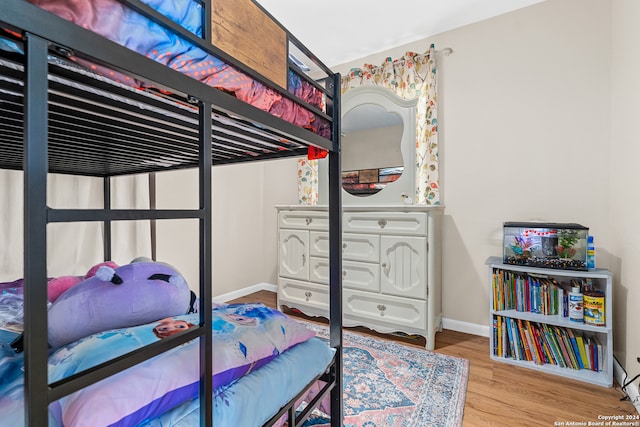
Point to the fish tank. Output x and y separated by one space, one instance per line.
546 245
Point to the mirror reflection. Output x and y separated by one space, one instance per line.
371 149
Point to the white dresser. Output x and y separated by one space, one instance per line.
391 274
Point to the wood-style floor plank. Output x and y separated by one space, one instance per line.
500 395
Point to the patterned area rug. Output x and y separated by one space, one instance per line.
387 384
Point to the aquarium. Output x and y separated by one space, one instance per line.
547 245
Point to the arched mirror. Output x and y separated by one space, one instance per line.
378 148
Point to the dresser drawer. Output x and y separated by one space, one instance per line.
304 220
294 293
355 247
385 222
361 275
319 270
387 312
358 275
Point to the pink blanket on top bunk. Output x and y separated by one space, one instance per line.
112 20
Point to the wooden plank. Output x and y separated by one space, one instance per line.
241 29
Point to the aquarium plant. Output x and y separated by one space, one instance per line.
566 240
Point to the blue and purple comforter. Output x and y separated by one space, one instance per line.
246 338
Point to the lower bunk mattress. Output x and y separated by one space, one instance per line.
262 359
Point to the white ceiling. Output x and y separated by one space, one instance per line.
338 31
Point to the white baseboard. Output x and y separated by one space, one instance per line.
632 389
467 328
221 299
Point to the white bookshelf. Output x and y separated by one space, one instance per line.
601 280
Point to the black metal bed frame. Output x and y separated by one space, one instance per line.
27 144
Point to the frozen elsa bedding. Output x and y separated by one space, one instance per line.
114 21
262 359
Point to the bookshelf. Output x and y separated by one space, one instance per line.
529 329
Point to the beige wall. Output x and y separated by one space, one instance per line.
623 202
244 222
538 113
279 189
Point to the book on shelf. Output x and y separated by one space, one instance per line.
532 344
583 352
525 292
542 294
555 345
571 347
544 347
542 344
595 352
523 339
542 357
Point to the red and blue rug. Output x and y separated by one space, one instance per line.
387 384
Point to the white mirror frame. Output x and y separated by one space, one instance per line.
393 193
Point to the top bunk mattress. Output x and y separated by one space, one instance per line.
124 113
127 93
117 22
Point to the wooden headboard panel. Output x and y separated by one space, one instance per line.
241 29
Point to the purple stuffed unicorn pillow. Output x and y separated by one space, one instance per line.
130 295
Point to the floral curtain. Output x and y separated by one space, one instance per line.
411 76
307 182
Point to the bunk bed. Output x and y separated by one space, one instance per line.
80 96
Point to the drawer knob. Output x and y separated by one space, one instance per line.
382 308
382 223
384 265
344 246
308 295
344 273
308 220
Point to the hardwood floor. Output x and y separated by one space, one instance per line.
499 394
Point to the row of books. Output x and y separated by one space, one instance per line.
542 343
532 293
